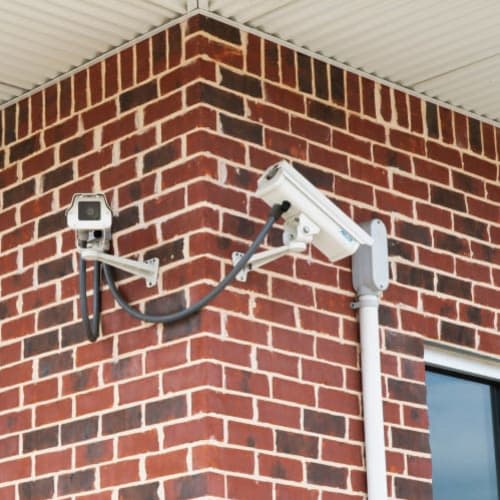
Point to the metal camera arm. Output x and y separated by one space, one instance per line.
298 232
147 269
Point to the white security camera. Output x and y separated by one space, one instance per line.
338 236
89 212
310 218
90 215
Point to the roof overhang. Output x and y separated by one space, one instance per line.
447 51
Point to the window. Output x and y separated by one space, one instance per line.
464 414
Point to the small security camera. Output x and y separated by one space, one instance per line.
91 216
335 234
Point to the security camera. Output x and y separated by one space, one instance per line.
90 215
89 212
337 235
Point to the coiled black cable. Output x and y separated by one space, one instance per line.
92 330
275 214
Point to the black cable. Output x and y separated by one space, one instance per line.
92 330
274 214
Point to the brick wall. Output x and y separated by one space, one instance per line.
258 396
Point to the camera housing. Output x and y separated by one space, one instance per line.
338 235
91 216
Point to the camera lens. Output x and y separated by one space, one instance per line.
89 210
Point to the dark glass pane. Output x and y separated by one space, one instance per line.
462 438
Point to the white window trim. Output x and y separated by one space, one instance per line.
463 362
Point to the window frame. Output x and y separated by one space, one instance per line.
471 366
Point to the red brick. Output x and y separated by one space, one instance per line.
143 60
221 52
393 203
137 443
296 392
96 82
16 469
345 453
118 128
61 409
292 292
280 468
227 459
137 390
92 453
408 142
9 447
350 144
488 297
53 461
188 377
446 122
166 357
16 374
368 93
415 417
338 352
90 353
206 400
248 489
245 329
279 414
186 74
321 373
284 98
136 340
10 353
366 128
166 464
162 108
295 342
489 342
251 436
94 401
285 492
339 401
286 144
328 158
199 429
194 486
40 391
400 99
246 381
269 115
272 361
19 236
99 114
419 467
137 143
274 311
369 172
395 462
137 240
203 142
114 473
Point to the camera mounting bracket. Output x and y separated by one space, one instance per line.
147 269
298 232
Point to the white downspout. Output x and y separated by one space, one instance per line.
372 397
370 277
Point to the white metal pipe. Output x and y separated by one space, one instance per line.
372 397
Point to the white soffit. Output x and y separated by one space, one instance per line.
445 49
